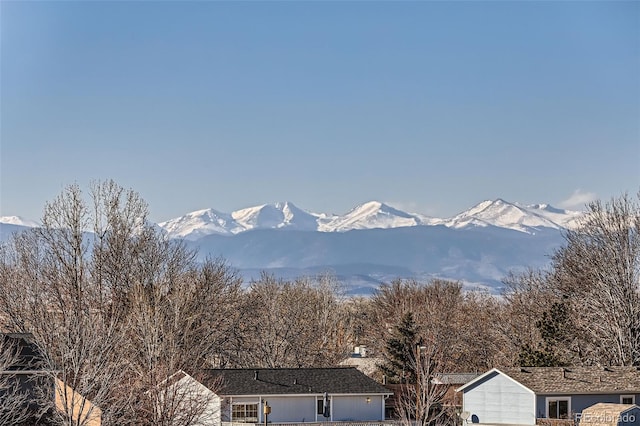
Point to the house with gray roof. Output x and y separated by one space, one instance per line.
297 394
519 396
283 395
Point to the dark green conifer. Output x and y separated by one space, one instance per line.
399 354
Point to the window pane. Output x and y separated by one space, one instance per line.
563 409
627 400
252 412
553 409
237 412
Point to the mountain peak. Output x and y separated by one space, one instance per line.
369 215
514 216
200 223
282 214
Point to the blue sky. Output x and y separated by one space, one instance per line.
431 106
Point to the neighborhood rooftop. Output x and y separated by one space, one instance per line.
575 380
281 381
453 378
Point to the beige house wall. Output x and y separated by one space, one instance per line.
75 405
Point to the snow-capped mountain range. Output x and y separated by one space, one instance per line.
373 242
370 215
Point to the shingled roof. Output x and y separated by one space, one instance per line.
453 378
573 380
605 414
282 381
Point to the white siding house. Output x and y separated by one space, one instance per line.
519 396
486 397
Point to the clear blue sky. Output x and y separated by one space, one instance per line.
431 106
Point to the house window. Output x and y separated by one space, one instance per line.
244 413
558 407
627 399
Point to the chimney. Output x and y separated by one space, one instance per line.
255 375
363 351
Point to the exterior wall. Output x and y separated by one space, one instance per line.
213 414
498 399
80 409
302 408
291 409
355 407
211 411
630 418
580 402
191 394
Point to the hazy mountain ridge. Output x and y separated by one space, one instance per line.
478 255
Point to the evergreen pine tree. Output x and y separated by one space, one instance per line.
553 328
399 354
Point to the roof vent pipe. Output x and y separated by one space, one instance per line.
255 375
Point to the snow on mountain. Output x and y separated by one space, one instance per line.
17 220
283 215
514 216
370 215
569 219
198 224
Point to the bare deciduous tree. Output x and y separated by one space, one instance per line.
292 324
586 308
115 305
49 269
422 401
599 272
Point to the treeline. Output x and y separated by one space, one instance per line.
118 307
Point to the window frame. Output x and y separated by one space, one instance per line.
632 396
245 418
557 399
